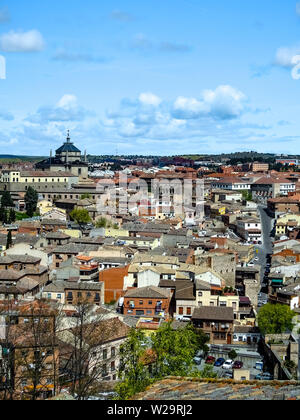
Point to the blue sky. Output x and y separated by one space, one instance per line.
150 77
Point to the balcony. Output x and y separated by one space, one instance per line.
221 328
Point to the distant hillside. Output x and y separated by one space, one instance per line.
16 158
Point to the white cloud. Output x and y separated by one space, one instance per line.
225 102
149 99
284 56
298 9
31 41
67 101
67 109
189 106
129 129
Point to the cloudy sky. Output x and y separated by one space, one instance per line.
151 76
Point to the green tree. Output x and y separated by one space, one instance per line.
81 216
176 349
83 196
247 195
132 371
168 352
31 200
6 200
104 223
275 319
232 355
2 214
9 241
12 216
207 372
101 223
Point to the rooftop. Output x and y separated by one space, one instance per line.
200 389
214 313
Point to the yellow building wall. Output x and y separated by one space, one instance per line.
116 233
73 233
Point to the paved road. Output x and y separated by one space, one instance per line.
267 224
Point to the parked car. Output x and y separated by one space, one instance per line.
197 360
264 377
264 301
228 364
220 362
210 360
237 365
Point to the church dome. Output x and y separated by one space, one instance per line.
68 146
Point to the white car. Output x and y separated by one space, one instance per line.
228 364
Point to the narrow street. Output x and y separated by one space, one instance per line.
266 248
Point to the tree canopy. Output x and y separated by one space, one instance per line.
168 352
31 200
275 319
176 349
81 216
132 371
6 200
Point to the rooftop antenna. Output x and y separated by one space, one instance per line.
68 136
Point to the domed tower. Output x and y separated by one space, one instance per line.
68 153
67 159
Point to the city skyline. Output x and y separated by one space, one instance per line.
182 77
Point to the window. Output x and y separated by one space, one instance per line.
104 354
180 311
141 302
150 302
104 370
189 311
139 313
113 366
113 352
200 294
